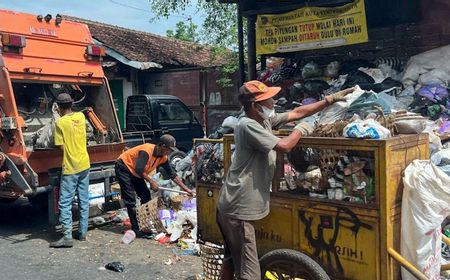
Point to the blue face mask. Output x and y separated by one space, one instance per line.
266 112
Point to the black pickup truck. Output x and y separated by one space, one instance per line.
150 116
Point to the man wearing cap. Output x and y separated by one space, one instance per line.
244 197
133 168
70 136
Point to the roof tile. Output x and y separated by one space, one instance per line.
146 47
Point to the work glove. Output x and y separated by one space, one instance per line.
338 96
304 128
154 185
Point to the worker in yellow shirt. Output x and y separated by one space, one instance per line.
70 136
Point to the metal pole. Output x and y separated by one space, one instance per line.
263 62
240 26
251 45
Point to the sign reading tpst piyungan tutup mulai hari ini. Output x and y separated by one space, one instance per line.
311 28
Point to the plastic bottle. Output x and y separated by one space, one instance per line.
128 237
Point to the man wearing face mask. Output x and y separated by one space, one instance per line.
133 168
244 197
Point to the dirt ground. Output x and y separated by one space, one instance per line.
24 239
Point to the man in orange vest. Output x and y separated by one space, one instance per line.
133 168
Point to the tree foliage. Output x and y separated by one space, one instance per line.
185 32
219 29
219 26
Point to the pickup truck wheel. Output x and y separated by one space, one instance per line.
7 200
175 157
290 264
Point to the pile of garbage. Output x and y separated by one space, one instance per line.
330 174
385 86
390 97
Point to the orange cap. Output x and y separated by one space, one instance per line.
259 90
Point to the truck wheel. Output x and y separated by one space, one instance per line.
7 200
39 202
290 264
175 157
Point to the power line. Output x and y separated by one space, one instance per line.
140 9
128 6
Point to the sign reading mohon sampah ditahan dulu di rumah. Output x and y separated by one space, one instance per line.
311 28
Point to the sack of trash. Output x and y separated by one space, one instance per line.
425 205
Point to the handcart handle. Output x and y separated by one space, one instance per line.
172 190
407 265
446 240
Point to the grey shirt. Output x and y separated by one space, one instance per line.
245 194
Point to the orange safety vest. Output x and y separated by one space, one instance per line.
130 157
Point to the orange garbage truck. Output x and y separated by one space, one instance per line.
40 58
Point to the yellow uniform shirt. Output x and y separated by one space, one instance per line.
70 132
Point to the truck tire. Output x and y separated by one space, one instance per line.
7 200
290 264
39 202
175 157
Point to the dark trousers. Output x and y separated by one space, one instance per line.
130 186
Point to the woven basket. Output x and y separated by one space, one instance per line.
328 159
212 261
148 216
330 130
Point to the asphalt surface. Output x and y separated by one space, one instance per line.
25 254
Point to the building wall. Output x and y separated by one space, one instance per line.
182 84
221 102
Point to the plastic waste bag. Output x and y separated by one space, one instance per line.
424 63
332 69
115 266
176 228
425 205
184 164
368 128
434 93
230 122
442 160
45 136
367 103
311 70
338 110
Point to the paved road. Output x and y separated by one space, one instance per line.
25 253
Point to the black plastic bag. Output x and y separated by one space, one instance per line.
115 266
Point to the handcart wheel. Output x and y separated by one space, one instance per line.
289 264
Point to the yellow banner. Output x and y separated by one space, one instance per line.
311 28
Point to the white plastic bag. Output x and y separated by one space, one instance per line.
230 122
425 205
368 128
338 110
429 61
375 73
46 136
